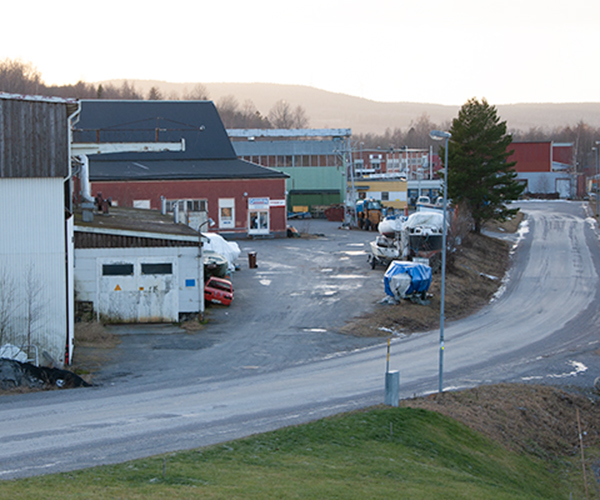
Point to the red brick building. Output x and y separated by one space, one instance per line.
206 181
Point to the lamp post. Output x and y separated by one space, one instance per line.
439 135
596 181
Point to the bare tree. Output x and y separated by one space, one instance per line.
281 115
7 300
198 93
20 77
228 108
300 118
34 305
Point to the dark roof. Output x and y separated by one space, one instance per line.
198 122
34 136
208 151
134 219
183 169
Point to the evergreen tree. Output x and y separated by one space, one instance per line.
479 176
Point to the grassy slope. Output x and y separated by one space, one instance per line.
380 453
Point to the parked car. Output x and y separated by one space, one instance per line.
218 291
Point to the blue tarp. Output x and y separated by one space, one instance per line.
419 275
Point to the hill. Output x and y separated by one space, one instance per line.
332 110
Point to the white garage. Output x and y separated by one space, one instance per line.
138 276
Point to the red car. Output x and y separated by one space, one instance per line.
218 291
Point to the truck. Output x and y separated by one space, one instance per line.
369 213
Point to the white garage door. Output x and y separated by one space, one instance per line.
138 290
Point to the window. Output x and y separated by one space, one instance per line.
161 268
385 196
117 269
145 204
187 205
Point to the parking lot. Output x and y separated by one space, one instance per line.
286 311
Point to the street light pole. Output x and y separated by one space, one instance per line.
438 135
596 181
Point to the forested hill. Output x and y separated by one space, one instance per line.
332 110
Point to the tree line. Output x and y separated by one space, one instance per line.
416 135
21 77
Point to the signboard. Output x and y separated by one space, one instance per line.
277 203
258 203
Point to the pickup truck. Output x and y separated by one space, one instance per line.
218 291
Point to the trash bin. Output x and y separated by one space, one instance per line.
252 260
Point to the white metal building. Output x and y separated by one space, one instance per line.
36 224
138 266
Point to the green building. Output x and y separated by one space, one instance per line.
316 161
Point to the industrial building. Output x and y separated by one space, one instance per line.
205 182
36 249
316 162
546 168
134 265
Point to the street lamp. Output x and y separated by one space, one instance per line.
596 181
208 221
439 135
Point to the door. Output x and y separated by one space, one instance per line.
138 290
258 222
258 216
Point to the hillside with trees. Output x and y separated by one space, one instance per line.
374 124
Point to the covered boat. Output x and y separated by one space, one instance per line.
214 264
405 279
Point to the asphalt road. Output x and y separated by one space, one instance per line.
283 363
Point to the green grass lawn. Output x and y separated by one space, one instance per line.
386 453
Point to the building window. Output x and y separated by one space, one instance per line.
187 205
117 269
145 204
161 268
385 196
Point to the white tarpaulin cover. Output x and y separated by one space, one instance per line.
228 249
430 219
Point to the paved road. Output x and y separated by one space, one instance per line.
285 312
545 323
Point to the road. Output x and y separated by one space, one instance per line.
543 326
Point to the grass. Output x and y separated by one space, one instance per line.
380 453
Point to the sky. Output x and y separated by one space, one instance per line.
434 51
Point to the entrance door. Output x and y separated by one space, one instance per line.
258 216
258 222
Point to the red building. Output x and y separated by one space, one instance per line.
205 182
546 168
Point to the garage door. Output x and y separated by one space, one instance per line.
138 290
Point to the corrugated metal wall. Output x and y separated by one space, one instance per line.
32 262
34 139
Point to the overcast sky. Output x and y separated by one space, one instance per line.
434 51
